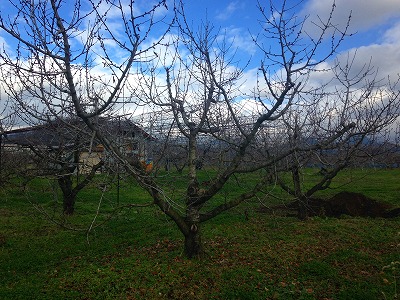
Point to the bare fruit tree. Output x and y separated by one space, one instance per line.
64 74
202 91
332 123
55 150
352 125
65 65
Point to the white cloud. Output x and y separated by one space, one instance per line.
392 35
229 10
238 39
365 14
384 56
379 16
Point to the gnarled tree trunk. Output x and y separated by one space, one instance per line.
69 195
302 200
193 243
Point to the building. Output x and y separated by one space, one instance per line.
68 141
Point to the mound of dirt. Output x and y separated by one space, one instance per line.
355 204
343 203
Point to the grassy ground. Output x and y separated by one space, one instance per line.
138 253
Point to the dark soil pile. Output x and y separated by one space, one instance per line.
343 203
355 204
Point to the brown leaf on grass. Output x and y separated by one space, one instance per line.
385 281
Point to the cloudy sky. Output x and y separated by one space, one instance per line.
375 24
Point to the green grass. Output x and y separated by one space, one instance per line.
137 254
380 184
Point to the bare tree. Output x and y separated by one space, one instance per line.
202 92
54 150
56 71
332 124
64 67
7 120
348 127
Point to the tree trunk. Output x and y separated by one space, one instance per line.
193 244
302 208
302 201
69 196
69 204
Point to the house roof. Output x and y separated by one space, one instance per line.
63 133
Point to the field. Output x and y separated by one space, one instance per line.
137 254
